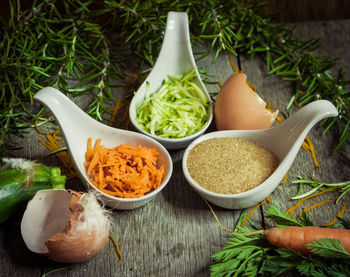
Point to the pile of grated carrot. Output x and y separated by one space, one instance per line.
124 171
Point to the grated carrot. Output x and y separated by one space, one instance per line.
268 199
235 69
294 207
58 131
272 108
251 86
285 178
120 105
279 118
115 111
251 212
125 117
37 125
296 102
339 214
314 206
54 146
134 78
305 146
312 150
116 247
124 171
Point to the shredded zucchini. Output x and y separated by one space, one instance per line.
179 108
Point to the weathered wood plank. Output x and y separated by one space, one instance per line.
175 234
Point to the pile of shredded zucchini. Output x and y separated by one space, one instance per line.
179 108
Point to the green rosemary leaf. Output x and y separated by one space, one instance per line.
332 122
343 191
278 68
48 272
311 191
342 187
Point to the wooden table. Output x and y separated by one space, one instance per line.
175 234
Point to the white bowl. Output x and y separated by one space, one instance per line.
283 140
175 57
77 127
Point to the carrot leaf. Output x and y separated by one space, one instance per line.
248 253
281 218
241 255
345 222
286 262
329 248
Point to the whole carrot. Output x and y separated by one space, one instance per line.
297 238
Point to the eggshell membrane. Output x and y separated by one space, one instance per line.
77 242
238 107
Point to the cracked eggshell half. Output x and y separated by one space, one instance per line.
47 213
238 107
64 225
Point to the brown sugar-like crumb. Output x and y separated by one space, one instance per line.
230 165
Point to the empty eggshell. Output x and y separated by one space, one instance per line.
46 214
66 226
238 107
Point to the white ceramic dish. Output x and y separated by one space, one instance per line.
77 127
175 57
283 140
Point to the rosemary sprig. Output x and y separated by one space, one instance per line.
45 46
81 47
248 253
342 187
54 270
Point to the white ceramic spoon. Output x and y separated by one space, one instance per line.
77 127
175 57
283 140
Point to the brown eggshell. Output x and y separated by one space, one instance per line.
64 225
77 242
238 107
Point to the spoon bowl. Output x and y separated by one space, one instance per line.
284 141
77 127
175 58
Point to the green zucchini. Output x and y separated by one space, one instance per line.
19 184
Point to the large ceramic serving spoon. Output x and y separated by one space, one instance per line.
77 127
283 140
175 57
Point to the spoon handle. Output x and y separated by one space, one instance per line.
296 128
305 118
75 124
175 56
176 49
69 115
